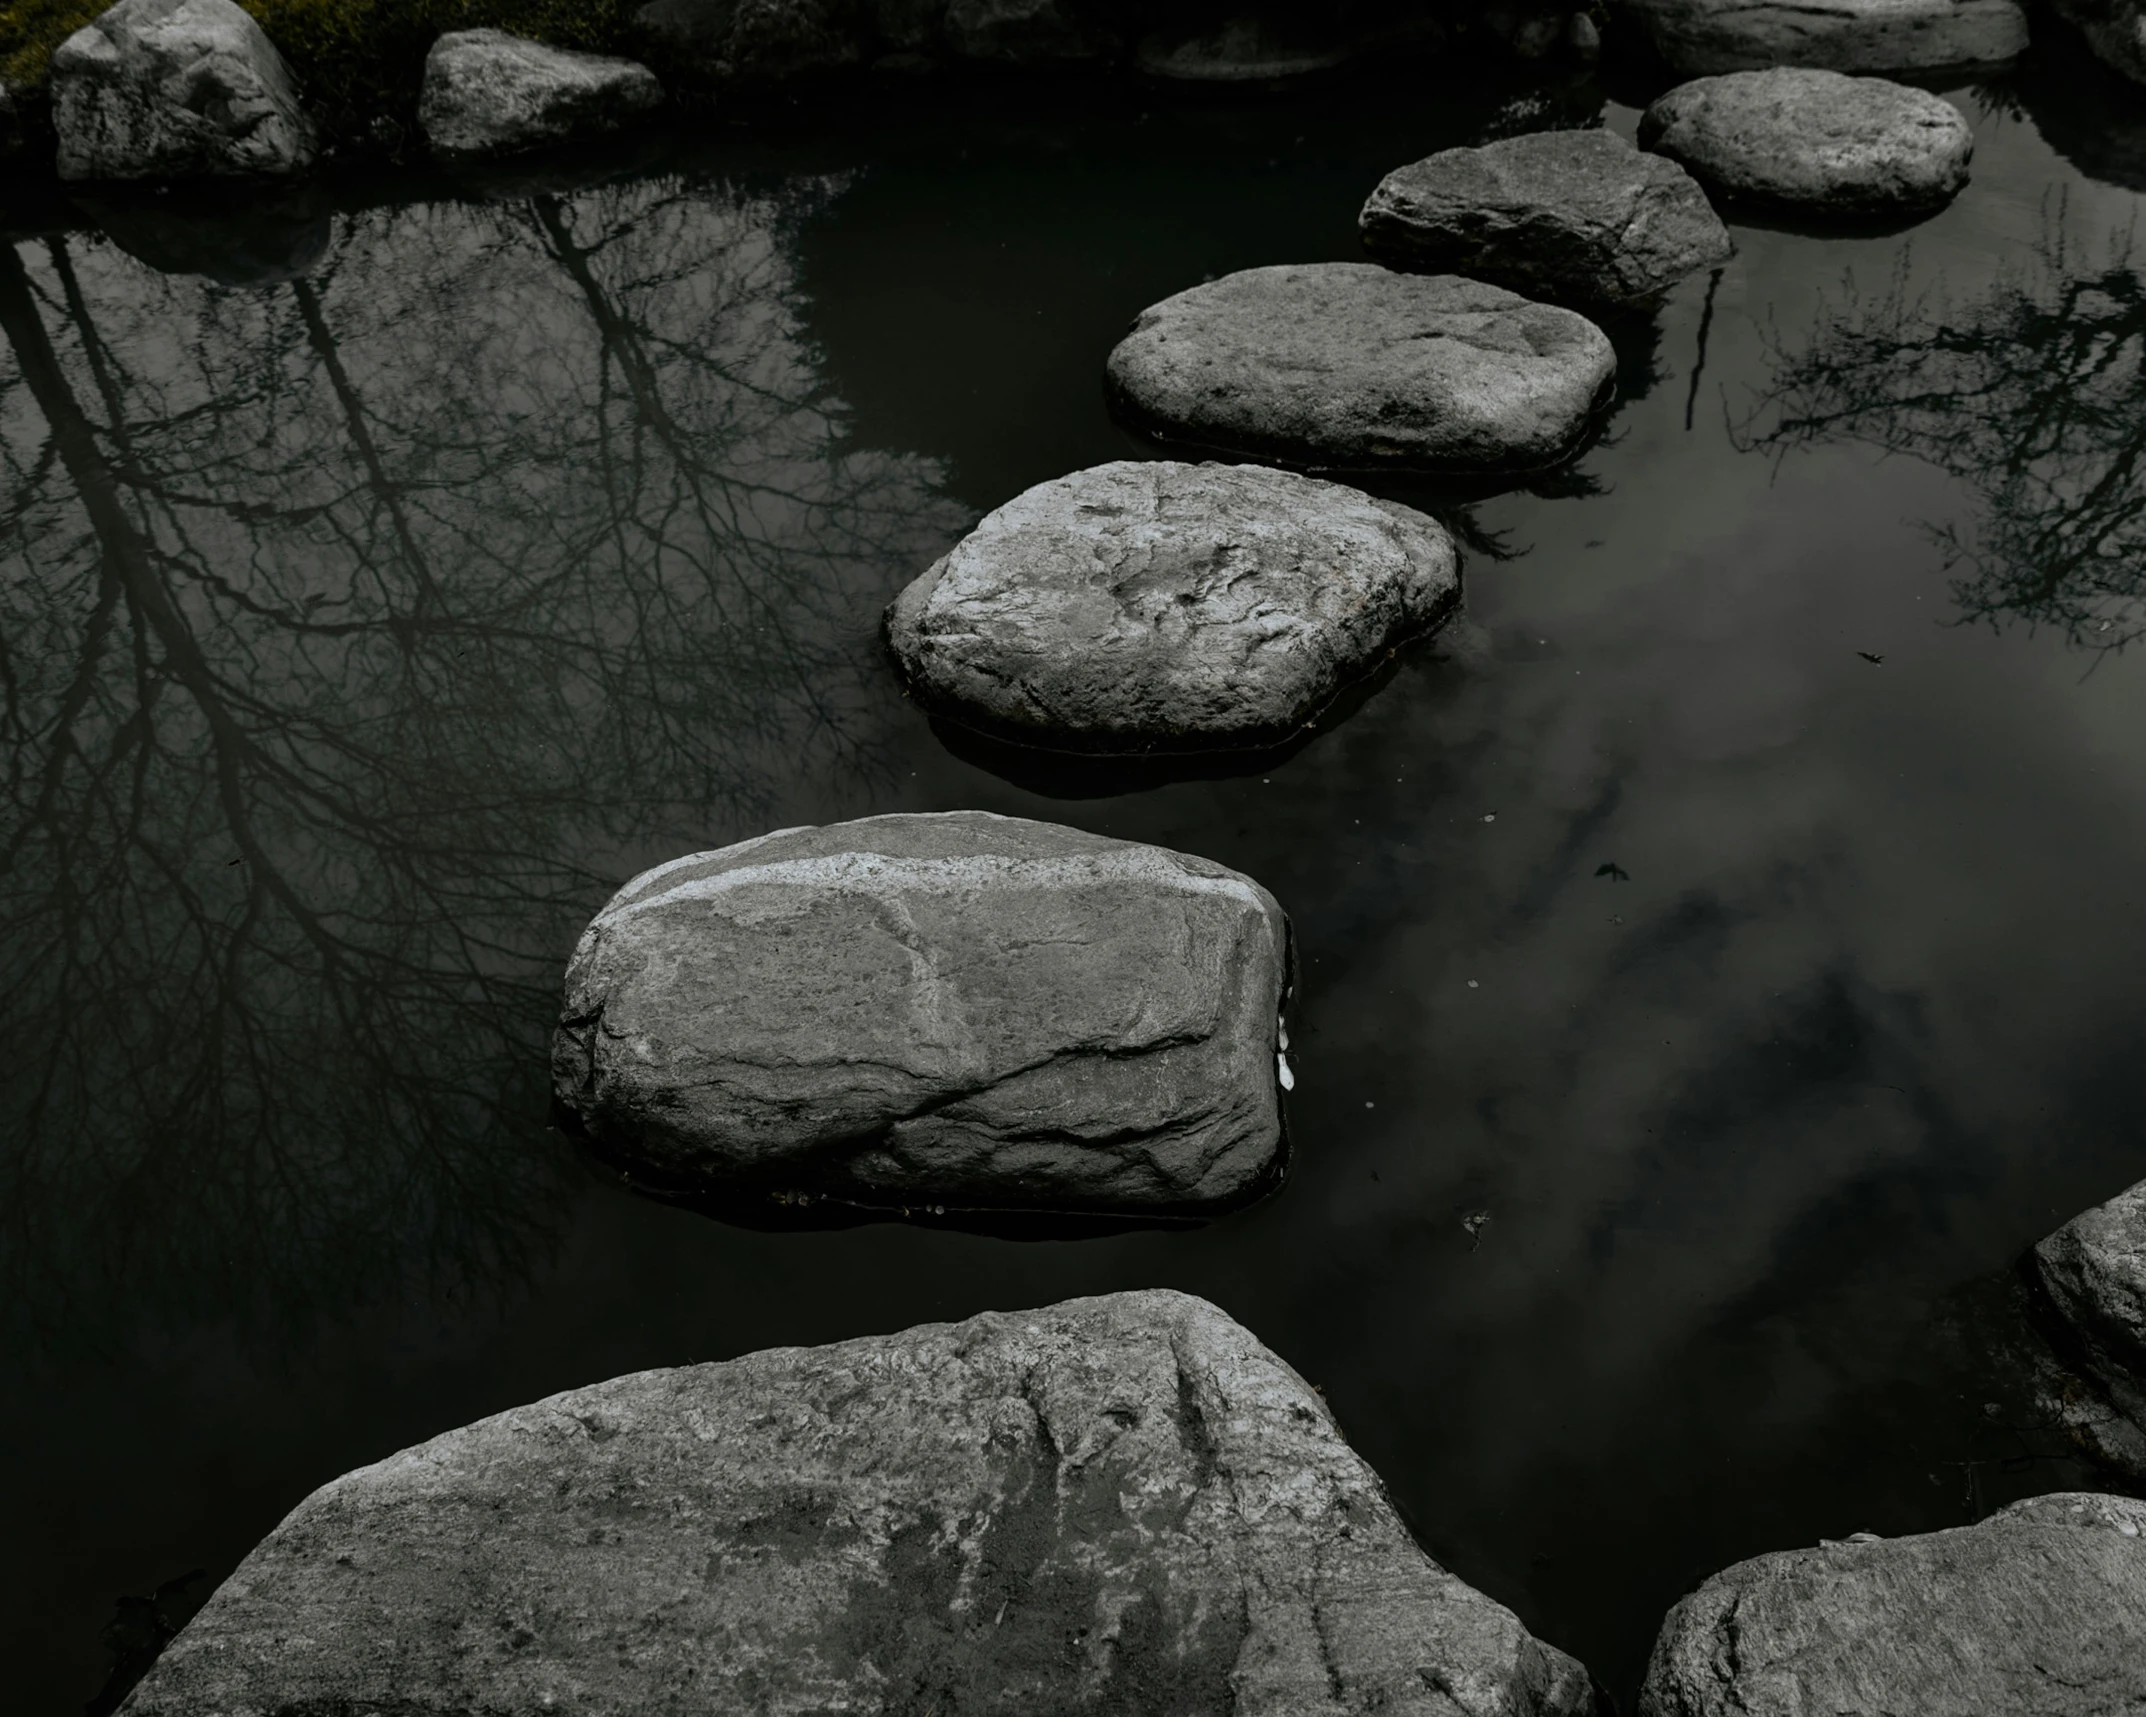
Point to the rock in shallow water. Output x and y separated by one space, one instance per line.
1814 142
2093 1271
1575 217
1347 365
957 1009
1122 1504
1702 37
2039 1609
489 93
1166 607
176 89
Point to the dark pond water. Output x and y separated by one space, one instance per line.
361 629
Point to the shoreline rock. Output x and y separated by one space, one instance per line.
1814 143
176 89
1112 1504
1349 366
1566 217
2092 1272
2041 1608
488 93
949 1010
1701 38
1157 607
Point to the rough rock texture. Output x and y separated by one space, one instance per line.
956 1010
1122 1504
1026 32
1347 365
755 41
1814 143
1576 217
2093 1271
489 93
2041 1608
1702 37
175 89
1163 607
2114 29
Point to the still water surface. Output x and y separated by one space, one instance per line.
361 629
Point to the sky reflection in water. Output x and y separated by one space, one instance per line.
359 631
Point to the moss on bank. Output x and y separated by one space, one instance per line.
354 58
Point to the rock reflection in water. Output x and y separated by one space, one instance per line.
357 633
2028 392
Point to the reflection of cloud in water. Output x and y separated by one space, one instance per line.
2029 392
358 634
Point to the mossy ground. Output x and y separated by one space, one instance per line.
353 57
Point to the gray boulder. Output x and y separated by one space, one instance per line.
959 1010
176 89
1575 217
1026 32
2093 1271
489 93
1109 1505
1348 365
1164 607
1814 143
2041 1608
2114 29
1702 37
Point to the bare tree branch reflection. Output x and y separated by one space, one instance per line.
355 636
2028 392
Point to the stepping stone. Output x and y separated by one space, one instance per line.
1702 37
1346 365
2093 1273
2040 1608
1814 142
176 89
489 93
1121 1504
1573 217
956 1010
1145 607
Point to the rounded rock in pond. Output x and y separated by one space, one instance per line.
489 93
1814 143
1702 37
2040 1608
2093 1272
1161 607
1349 366
176 89
958 1010
1575 217
1124 1503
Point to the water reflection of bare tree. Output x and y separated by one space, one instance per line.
2029 393
354 636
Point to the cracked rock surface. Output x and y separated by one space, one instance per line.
176 89
1702 37
2093 1271
955 1009
1814 142
1348 365
489 93
1155 606
1122 1504
2040 1608
1576 217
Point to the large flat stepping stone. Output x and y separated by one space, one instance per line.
1574 217
1123 1504
176 89
1814 143
2093 1272
957 1010
489 93
1346 365
1702 37
1159 607
2041 1608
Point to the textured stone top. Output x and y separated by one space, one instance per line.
2094 1271
1111 1505
1700 37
